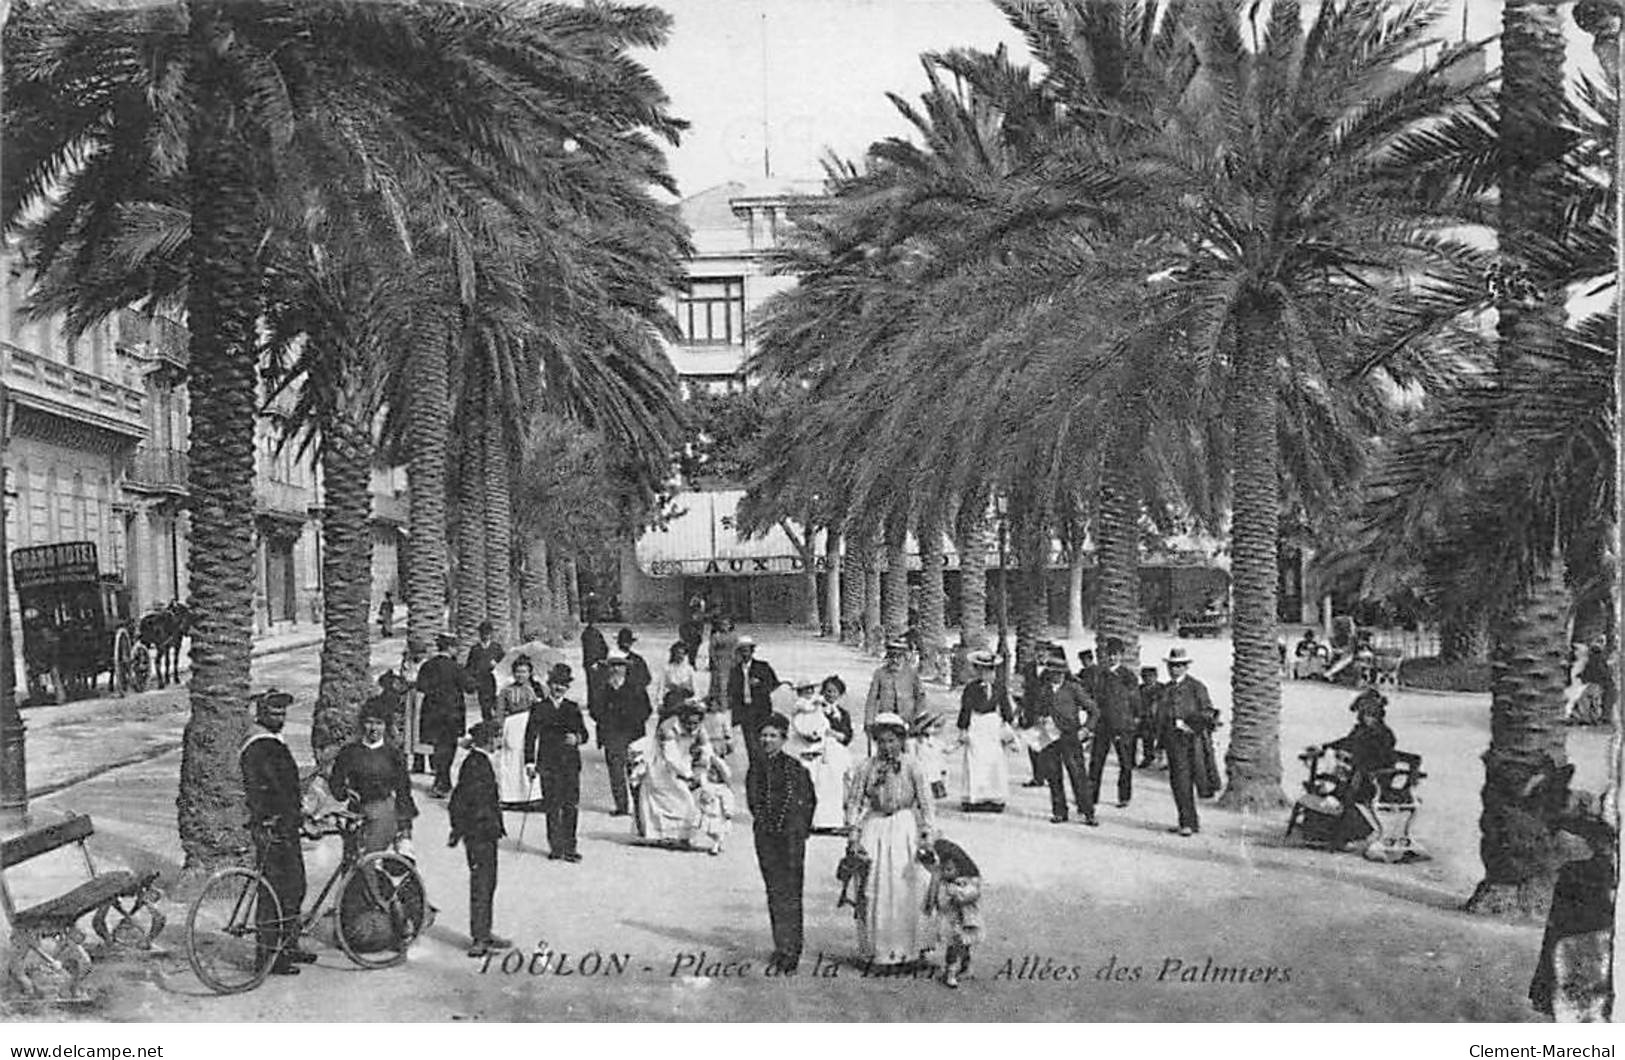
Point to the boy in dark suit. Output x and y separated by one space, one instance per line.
779 792
476 822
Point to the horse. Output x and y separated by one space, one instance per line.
163 631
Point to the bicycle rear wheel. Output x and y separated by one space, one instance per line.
381 910
223 926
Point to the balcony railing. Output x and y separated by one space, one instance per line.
72 392
157 338
158 469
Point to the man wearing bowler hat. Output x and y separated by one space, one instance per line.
271 785
1185 712
895 688
553 736
1117 695
621 717
1072 711
637 669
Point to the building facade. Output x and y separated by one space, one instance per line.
95 449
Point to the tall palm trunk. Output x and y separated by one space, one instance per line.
498 482
894 586
222 304
533 586
873 635
1530 669
1529 644
854 575
834 601
558 597
1460 639
470 587
1117 537
933 598
1029 582
975 535
572 592
347 458
1253 760
1074 592
429 426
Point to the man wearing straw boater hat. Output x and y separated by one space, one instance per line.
1185 713
750 696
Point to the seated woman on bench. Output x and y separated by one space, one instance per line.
1370 747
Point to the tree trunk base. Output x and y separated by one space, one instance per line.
1517 902
1252 796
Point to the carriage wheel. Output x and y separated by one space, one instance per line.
140 673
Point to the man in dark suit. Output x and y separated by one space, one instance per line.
622 715
443 716
482 662
637 669
1186 712
553 736
271 784
750 696
476 822
1072 710
779 793
1117 702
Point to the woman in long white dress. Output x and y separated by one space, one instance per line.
515 788
812 742
667 810
984 715
890 815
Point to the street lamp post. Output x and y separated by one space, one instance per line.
13 759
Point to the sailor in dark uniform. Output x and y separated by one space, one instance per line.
779 792
271 783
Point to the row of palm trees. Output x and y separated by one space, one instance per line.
1210 267
435 224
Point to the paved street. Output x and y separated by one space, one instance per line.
1349 939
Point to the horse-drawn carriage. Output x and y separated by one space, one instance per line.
77 623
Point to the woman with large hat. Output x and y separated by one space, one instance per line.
889 816
985 714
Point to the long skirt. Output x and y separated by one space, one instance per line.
987 773
894 929
829 785
515 790
667 811
378 825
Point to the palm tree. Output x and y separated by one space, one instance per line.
104 102
1296 223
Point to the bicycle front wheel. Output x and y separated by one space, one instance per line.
381 909
223 930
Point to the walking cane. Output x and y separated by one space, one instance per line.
524 815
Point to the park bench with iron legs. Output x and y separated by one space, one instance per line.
47 951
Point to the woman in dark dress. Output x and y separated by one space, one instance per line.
1370 747
1574 968
832 692
371 772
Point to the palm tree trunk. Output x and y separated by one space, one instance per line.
429 427
933 598
572 592
854 582
1530 670
1461 639
470 588
1529 646
498 523
222 305
873 636
894 587
346 657
974 541
533 586
1029 582
1117 541
834 600
1074 593
1253 760
558 596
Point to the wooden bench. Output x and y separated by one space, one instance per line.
47 952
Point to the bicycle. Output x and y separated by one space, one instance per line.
380 907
